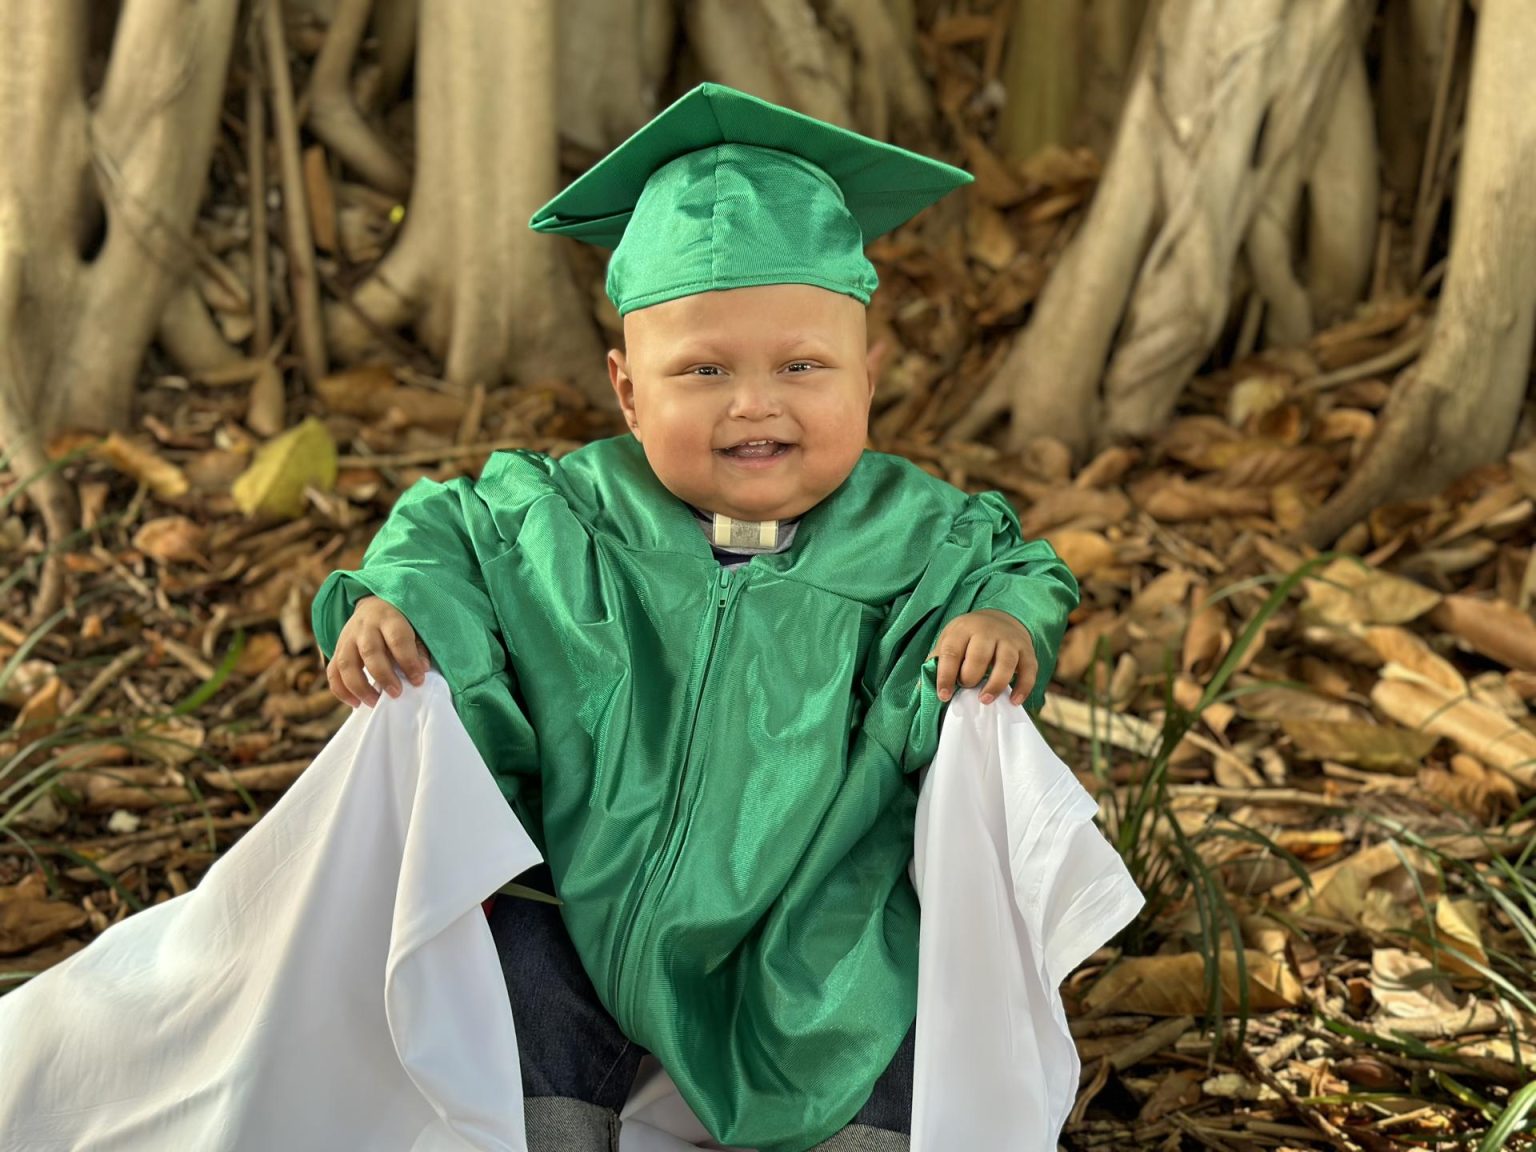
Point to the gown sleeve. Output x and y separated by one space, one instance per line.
983 562
426 561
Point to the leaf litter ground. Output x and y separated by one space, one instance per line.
1320 768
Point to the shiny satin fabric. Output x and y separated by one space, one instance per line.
718 764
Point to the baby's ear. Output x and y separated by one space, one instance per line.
874 362
623 388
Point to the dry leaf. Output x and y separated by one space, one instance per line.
1171 498
27 922
1378 888
1083 552
1498 630
1397 645
1459 936
1407 985
141 462
274 483
172 539
1362 745
1175 985
1346 592
261 652
1492 737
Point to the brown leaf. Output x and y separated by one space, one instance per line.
1347 592
1083 552
1175 985
25 923
261 652
1082 508
1397 645
1498 630
172 539
1172 499
141 462
1371 746
1492 737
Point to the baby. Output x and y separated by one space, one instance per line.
706 661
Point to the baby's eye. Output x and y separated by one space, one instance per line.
802 365
706 370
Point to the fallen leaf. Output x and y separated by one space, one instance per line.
1490 736
172 539
1459 936
1372 746
1498 630
141 462
1405 984
1175 985
25 923
274 483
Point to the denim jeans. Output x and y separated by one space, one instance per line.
578 1066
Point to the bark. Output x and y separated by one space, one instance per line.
485 294
333 114
849 62
1457 408
98 195
1223 120
1412 50
1042 76
612 65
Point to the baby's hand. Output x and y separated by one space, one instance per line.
376 639
972 643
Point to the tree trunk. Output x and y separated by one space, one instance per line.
1223 128
485 294
1458 406
97 201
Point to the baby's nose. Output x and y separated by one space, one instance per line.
753 400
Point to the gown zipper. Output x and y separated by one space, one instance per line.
722 598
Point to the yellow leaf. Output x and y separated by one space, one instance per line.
1459 928
274 483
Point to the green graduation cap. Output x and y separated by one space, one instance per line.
723 190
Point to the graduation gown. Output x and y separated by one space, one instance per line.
717 764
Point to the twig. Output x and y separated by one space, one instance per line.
1325 1128
105 679
256 176
1386 362
301 245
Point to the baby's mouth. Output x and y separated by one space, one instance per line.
756 450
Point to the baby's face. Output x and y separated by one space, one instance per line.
753 402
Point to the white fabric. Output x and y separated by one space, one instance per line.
332 983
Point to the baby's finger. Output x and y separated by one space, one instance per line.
1024 679
338 686
380 665
1004 661
978 658
353 678
405 649
951 648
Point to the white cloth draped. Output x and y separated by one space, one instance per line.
332 983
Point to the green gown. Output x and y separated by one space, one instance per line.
719 764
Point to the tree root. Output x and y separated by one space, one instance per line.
98 228
1221 119
335 118
489 296
1457 408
